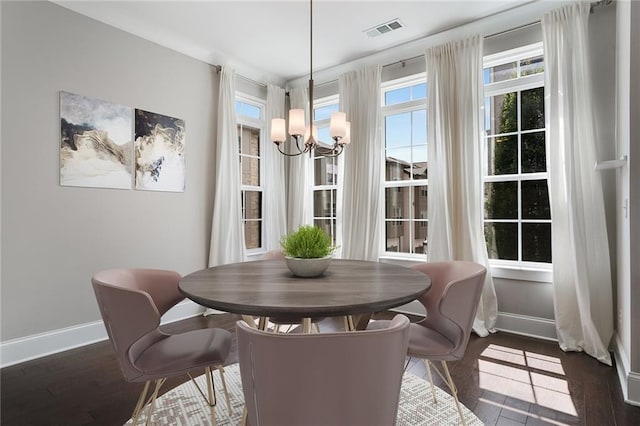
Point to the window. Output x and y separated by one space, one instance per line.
250 124
325 170
405 138
517 217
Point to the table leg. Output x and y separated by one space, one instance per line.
361 321
249 320
262 323
306 325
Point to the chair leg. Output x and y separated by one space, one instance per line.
140 403
454 391
427 364
224 388
152 404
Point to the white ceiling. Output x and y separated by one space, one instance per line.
272 37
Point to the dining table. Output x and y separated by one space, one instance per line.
267 288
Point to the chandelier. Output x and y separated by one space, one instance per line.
339 127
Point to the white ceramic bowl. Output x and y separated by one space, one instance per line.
308 267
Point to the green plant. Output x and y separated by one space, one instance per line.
308 242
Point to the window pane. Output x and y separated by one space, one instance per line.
419 127
397 203
532 109
253 234
502 240
502 152
323 136
326 171
420 169
397 236
535 199
249 140
419 91
396 96
500 73
398 164
420 202
420 233
250 171
252 205
328 226
324 113
536 242
248 110
502 113
534 157
324 203
398 130
533 65
501 200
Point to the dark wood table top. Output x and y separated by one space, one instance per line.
267 288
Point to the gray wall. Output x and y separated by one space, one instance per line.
54 238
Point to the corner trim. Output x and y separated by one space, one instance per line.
629 381
23 349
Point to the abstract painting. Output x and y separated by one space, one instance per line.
159 152
95 142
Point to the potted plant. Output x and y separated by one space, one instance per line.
308 251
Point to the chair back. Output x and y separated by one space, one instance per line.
131 302
349 378
452 300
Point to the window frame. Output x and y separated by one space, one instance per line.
336 186
502 268
258 124
393 109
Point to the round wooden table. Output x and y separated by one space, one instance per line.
267 288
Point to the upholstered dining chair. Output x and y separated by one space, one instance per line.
451 305
131 302
343 378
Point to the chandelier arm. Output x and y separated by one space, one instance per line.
286 153
330 152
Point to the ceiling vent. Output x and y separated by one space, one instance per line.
387 27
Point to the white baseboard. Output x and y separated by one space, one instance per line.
35 346
540 328
629 381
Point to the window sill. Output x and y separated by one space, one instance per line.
508 272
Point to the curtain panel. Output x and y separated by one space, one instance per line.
581 266
454 132
275 209
227 231
299 182
363 169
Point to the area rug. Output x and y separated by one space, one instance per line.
184 405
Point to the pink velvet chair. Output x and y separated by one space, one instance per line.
344 378
131 302
451 305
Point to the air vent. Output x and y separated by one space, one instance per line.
387 27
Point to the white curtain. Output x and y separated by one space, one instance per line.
275 210
581 268
299 190
227 231
454 133
363 165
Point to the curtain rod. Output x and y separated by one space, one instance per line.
250 80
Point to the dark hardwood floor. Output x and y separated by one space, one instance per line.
504 379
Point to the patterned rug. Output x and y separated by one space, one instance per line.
184 405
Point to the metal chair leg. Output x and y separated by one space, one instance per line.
154 396
454 391
427 364
140 403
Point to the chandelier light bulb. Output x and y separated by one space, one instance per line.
278 130
296 122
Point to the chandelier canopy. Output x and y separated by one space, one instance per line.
339 127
